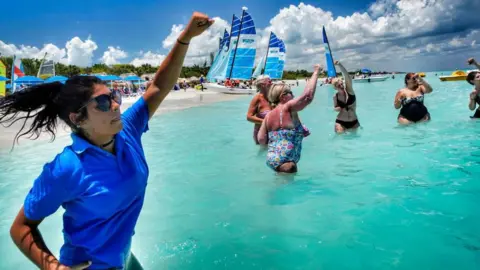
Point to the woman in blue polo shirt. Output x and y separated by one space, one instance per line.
101 178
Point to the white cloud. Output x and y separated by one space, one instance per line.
80 53
76 51
150 58
201 46
113 55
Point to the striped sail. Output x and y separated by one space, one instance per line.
271 64
225 39
258 69
331 71
242 57
281 59
218 69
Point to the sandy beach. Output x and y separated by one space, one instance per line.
176 100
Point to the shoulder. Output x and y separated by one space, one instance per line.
66 167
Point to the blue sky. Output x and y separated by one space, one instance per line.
383 34
133 25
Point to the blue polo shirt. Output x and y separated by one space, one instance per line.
102 194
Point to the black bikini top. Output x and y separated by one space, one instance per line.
351 99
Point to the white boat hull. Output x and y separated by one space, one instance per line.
227 90
371 79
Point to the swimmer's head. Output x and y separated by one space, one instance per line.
473 78
263 83
338 84
411 80
84 103
279 93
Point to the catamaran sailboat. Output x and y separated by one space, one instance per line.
273 62
236 58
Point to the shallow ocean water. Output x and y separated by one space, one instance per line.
387 197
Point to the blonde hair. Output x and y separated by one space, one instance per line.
275 92
335 81
260 79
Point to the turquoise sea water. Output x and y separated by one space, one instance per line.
388 197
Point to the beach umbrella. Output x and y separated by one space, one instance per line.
366 70
132 78
61 79
3 79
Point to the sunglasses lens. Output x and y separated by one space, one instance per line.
103 103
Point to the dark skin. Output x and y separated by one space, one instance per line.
24 232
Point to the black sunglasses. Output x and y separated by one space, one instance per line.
104 102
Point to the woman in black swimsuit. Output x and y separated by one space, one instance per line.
345 103
410 100
473 78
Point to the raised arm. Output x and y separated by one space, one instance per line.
425 87
472 61
168 72
348 79
299 103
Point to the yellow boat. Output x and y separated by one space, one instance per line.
421 74
457 75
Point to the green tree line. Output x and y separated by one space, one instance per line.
31 67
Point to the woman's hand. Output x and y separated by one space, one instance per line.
317 67
197 25
474 94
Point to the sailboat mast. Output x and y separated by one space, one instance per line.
266 56
236 45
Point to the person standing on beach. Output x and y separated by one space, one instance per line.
282 129
202 80
259 106
410 100
473 78
102 201
345 102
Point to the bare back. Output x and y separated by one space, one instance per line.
289 119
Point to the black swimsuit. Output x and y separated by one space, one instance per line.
413 109
477 112
350 101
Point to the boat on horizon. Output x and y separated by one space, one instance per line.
371 79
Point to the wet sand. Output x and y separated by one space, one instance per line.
176 100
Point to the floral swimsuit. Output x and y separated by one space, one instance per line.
284 145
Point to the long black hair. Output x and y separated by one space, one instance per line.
44 103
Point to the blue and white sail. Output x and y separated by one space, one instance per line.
243 41
331 71
273 53
218 70
258 69
281 58
225 39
